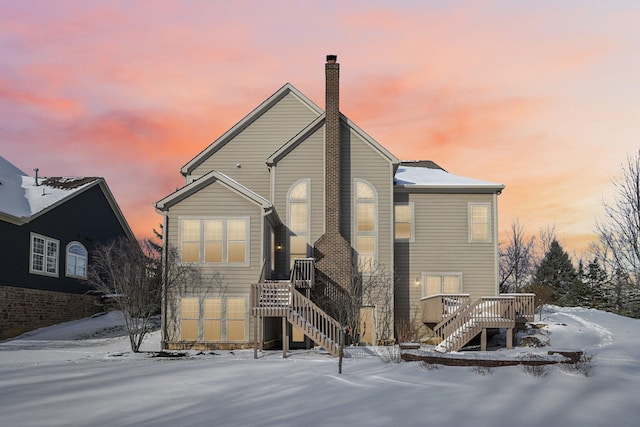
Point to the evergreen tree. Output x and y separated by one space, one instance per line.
597 282
558 273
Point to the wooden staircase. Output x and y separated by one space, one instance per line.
469 320
284 299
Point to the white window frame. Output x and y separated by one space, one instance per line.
225 240
373 233
47 241
442 275
68 256
489 225
290 233
412 222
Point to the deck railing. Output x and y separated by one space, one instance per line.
316 324
303 272
524 305
439 307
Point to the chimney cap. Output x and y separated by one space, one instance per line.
331 59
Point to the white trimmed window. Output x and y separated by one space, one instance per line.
479 222
76 260
441 283
213 319
403 214
366 230
215 240
44 255
298 220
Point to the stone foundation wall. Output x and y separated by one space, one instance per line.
23 310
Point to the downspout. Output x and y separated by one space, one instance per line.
163 317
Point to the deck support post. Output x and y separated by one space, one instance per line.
483 340
255 337
509 338
285 338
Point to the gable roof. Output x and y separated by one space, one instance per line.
22 199
314 125
432 177
288 88
205 180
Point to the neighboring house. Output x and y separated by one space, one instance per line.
48 229
293 182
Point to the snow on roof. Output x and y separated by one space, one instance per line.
21 198
430 177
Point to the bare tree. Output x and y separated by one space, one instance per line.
619 235
129 274
547 235
516 260
370 289
619 230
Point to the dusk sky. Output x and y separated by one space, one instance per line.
542 96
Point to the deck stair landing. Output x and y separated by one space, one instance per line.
284 299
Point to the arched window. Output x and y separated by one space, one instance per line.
298 220
76 260
366 204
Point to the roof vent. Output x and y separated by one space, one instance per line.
36 171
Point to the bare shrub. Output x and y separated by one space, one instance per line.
584 366
481 370
408 330
428 366
533 365
390 354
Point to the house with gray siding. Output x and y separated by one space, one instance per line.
306 229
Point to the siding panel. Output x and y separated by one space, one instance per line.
251 147
442 245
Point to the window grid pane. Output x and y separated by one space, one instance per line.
366 217
190 234
433 285
236 312
299 192
236 252
212 313
298 217
189 313
451 284
364 191
235 230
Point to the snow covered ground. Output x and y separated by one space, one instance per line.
82 374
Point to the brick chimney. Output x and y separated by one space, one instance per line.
332 251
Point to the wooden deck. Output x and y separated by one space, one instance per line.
460 321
